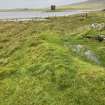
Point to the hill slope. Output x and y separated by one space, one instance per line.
90 4
96 1
94 4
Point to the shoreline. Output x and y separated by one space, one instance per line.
38 15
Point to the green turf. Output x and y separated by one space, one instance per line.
39 67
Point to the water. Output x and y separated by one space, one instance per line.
33 14
7 4
29 15
16 4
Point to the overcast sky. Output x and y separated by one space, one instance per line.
33 3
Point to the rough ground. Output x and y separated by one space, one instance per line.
40 63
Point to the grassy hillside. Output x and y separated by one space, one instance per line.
90 4
43 63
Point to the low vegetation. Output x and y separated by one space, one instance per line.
40 66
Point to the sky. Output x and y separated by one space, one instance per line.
10 4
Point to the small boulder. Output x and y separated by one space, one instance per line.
100 38
103 10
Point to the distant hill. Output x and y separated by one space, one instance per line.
89 4
96 1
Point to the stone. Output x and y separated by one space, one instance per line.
100 38
85 52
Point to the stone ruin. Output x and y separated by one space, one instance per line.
83 16
53 7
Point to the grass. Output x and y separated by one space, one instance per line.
38 66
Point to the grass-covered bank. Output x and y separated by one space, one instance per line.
39 65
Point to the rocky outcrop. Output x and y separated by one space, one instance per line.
84 52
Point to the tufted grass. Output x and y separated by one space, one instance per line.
38 66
